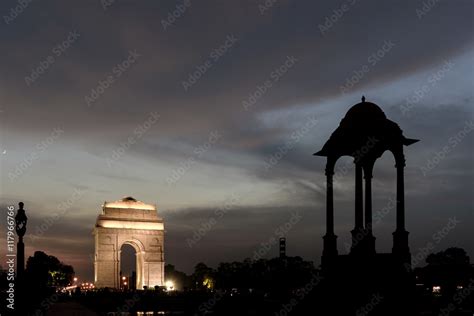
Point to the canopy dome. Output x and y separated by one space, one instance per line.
364 127
365 111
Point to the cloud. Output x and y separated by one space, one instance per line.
250 138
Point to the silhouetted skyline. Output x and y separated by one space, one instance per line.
221 109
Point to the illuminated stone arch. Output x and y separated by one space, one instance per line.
137 224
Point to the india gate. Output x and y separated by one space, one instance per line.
135 223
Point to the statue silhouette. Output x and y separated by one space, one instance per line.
21 219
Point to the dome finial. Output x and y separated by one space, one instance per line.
363 98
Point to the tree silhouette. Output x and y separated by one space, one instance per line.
47 271
203 277
451 256
181 280
278 274
449 269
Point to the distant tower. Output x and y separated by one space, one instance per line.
282 247
20 221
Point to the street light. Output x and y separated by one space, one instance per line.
169 285
124 282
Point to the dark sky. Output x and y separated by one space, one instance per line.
221 107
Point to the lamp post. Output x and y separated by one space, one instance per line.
169 285
124 282
20 221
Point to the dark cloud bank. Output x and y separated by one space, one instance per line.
234 72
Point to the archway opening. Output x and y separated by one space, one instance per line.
343 192
384 186
128 267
